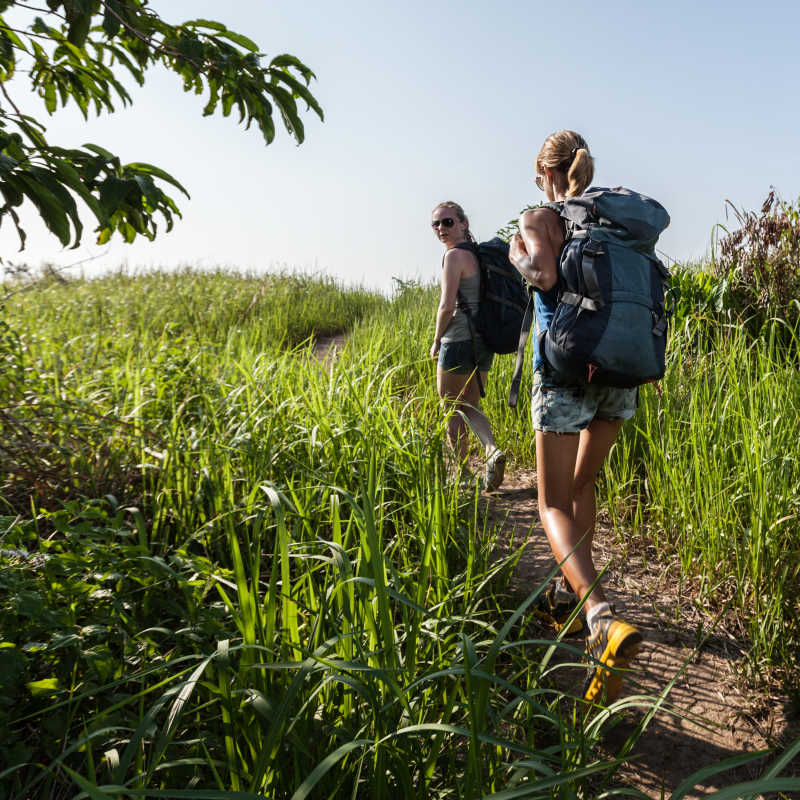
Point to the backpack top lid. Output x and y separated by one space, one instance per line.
496 244
632 217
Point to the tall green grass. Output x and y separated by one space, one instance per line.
240 569
709 473
228 567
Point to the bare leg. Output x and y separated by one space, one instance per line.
595 443
477 419
567 465
463 392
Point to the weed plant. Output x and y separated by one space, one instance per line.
759 262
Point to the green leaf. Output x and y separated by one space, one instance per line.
783 760
95 148
48 206
756 788
205 23
702 775
111 18
105 235
114 192
300 90
79 29
192 49
156 172
286 60
288 109
326 764
241 40
7 163
69 175
50 97
46 686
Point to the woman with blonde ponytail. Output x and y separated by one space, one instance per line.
575 428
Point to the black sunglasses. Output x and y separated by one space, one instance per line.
447 222
540 182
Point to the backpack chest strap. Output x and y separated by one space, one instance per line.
572 299
619 296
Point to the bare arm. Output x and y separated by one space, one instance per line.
457 263
534 250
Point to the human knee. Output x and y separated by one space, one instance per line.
554 506
584 484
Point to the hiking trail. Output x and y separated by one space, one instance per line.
709 715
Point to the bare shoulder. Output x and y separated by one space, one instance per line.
542 218
460 262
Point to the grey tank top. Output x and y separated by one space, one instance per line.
458 329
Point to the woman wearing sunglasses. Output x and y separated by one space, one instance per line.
575 427
456 379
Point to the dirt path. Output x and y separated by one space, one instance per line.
326 347
716 717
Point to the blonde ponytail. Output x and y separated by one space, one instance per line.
580 174
567 154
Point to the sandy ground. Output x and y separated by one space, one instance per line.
326 347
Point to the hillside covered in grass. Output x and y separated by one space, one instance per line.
226 566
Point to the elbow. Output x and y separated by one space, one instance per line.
447 308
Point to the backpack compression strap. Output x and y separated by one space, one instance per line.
593 299
471 247
516 378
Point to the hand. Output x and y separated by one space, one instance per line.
435 347
517 249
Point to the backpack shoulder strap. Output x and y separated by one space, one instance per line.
473 247
557 206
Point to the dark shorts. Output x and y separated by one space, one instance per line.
569 409
458 357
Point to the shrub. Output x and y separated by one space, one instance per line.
761 260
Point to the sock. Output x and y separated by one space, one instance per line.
594 613
563 592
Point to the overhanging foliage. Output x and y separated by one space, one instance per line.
76 52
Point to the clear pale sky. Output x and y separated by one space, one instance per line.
692 103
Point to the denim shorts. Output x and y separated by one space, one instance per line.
570 409
458 357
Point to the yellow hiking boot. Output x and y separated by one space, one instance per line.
610 650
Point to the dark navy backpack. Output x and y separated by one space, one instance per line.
610 324
502 300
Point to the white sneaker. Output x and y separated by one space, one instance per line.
495 470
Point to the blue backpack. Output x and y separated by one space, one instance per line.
610 324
